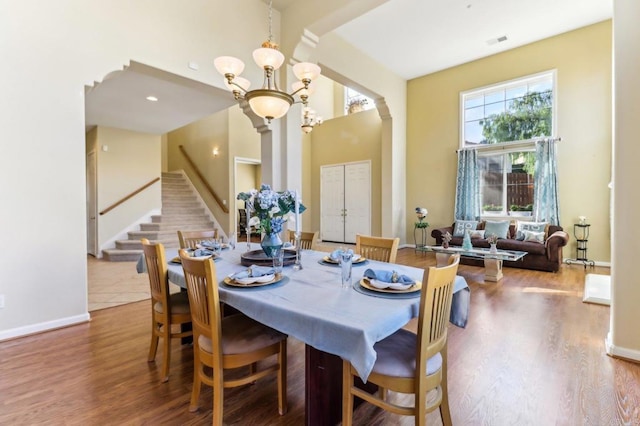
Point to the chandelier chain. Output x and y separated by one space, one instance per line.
270 18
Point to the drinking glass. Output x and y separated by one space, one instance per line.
278 261
346 260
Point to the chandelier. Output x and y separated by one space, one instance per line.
269 102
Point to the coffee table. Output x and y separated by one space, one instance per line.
492 261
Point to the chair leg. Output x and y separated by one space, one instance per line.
382 393
445 413
197 380
282 379
153 348
218 398
167 353
347 398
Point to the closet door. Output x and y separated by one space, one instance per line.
357 200
345 202
332 203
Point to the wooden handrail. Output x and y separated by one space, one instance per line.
204 181
134 193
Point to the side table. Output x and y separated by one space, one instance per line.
419 236
581 232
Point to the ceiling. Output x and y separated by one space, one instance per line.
420 37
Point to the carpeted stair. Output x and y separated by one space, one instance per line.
180 211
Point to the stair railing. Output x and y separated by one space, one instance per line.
133 194
203 180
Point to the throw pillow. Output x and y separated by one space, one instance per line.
500 228
464 225
531 226
477 233
536 237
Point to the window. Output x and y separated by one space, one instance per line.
514 112
355 101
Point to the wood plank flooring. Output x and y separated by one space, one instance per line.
532 354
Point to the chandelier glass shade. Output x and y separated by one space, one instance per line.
268 102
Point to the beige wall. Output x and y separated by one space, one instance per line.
231 132
356 137
75 44
199 139
582 59
131 161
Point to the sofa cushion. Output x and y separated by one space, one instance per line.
498 228
531 226
535 237
478 233
528 246
461 226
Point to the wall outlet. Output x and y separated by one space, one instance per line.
1 301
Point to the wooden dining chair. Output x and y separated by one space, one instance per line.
308 240
412 363
167 310
377 248
189 239
227 343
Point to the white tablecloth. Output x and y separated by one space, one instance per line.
311 306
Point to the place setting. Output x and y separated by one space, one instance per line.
255 276
334 258
388 284
199 253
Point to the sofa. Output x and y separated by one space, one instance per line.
543 253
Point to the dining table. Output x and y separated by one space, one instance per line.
335 323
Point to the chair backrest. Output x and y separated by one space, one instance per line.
435 309
377 248
204 301
308 240
155 259
189 239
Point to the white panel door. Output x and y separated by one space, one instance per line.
357 200
332 203
92 205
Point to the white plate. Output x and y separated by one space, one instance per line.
244 282
251 280
393 286
387 287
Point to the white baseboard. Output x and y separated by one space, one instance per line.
618 352
43 326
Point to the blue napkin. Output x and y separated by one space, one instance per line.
337 254
201 252
210 244
388 276
287 245
254 271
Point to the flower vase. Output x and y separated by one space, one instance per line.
493 249
271 244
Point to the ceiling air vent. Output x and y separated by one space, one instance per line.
497 40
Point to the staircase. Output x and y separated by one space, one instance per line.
181 210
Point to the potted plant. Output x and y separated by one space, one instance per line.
420 227
492 208
356 105
517 210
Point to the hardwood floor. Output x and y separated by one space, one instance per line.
532 354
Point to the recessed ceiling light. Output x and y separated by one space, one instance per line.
152 98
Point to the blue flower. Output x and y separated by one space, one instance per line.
268 210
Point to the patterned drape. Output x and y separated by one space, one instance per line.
545 186
467 186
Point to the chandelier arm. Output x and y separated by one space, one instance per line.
231 82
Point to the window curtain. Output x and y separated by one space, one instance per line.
545 183
467 186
